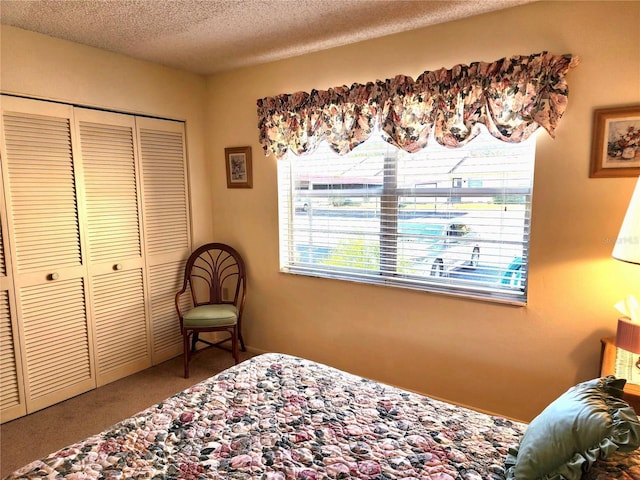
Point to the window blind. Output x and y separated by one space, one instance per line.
446 220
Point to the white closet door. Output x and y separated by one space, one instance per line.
114 245
48 266
12 399
166 227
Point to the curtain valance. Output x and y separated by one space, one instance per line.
512 97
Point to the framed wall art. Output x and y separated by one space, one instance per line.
239 172
615 144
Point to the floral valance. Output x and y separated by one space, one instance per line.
512 97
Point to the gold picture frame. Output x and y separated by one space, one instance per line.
615 142
239 169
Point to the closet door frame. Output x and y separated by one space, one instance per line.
165 233
19 407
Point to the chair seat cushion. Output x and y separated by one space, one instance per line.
211 316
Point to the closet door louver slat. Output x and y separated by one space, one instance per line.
110 191
165 280
56 340
165 202
41 180
121 328
116 266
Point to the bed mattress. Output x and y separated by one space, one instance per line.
277 417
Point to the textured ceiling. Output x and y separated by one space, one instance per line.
209 36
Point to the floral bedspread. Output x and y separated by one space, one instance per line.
277 417
617 466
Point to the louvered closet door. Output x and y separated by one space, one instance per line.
12 399
48 267
166 227
114 245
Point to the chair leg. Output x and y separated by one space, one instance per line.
234 345
194 341
242 347
239 327
186 353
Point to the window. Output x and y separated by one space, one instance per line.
448 220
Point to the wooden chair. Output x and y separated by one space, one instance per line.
215 276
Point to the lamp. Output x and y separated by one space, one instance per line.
628 336
627 249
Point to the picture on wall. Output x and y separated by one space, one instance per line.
239 173
615 145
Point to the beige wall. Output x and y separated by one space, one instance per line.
505 359
498 358
43 67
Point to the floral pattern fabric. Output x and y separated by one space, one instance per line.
512 97
277 417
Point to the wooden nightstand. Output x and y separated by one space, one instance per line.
608 356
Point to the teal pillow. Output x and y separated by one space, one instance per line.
587 422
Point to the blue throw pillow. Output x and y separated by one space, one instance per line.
587 422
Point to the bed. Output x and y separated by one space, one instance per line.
277 417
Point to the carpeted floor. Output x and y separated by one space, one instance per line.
34 436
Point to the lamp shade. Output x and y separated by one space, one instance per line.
627 246
628 335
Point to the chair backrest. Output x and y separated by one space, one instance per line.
215 273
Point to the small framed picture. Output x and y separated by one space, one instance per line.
615 144
239 174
